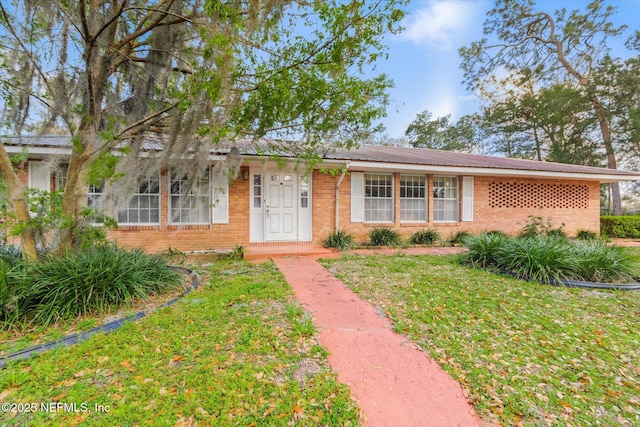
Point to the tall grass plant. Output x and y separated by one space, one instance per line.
92 281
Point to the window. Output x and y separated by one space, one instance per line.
95 201
257 191
189 201
144 205
413 198
445 198
61 175
304 192
378 198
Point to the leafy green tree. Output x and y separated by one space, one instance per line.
565 45
443 134
185 75
617 83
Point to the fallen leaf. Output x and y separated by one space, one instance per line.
6 392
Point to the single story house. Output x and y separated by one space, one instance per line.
406 189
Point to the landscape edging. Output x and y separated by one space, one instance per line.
107 327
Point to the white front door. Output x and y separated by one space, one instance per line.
281 213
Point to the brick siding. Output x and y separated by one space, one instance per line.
499 204
575 214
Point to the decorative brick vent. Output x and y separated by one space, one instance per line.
537 195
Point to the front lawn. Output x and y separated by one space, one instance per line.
238 352
526 354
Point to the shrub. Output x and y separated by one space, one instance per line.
483 249
95 280
620 226
459 237
340 239
383 236
6 292
427 236
540 258
557 232
538 226
598 262
543 258
586 235
237 253
10 254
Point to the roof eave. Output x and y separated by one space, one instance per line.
483 171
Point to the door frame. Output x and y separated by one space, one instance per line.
269 203
257 205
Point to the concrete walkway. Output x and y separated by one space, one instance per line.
394 383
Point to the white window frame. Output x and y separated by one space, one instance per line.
198 199
138 195
442 193
94 196
422 183
370 198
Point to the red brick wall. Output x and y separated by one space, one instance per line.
192 237
576 214
485 217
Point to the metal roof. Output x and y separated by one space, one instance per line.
382 155
428 157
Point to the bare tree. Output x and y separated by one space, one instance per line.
185 75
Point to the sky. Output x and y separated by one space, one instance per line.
424 62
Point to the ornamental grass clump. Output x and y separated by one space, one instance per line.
92 281
340 239
427 236
483 249
549 258
599 262
586 235
383 236
540 258
459 237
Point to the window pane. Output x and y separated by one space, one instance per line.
413 202
189 201
378 197
445 191
144 205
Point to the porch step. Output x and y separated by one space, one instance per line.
265 252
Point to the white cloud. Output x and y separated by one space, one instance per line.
442 102
439 23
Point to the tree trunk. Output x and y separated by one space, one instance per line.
19 203
74 199
611 156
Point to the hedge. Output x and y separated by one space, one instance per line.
620 226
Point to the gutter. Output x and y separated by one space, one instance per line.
486 171
337 222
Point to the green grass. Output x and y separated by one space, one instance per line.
528 354
237 352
